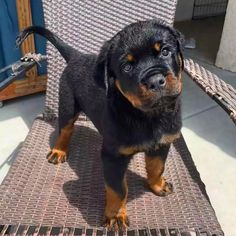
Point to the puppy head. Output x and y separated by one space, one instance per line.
144 62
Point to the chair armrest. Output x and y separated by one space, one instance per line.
221 92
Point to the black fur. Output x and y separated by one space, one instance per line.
114 168
65 50
161 152
88 84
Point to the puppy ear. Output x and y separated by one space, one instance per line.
180 44
181 58
102 72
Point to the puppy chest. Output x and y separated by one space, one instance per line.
148 145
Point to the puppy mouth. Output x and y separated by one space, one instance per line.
165 101
160 104
146 100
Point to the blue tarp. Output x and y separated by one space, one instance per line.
9 31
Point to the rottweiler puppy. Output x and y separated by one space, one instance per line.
131 93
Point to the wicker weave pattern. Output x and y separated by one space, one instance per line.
72 194
223 93
36 193
87 24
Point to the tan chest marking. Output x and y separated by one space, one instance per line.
131 150
128 150
169 138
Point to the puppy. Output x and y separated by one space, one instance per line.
131 93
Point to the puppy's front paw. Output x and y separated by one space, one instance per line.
56 156
116 223
162 189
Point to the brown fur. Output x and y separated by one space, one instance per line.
143 96
157 46
155 169
59 153
169 138
130 58
115 210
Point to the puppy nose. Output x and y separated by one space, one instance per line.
155 82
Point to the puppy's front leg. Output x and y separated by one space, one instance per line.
59 152
114 167
155 165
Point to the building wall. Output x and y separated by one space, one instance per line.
226 57
184 10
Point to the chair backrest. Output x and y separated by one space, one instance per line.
86 24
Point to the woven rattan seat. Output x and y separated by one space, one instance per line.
71 195
37 198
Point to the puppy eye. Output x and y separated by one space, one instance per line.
165 52
127 67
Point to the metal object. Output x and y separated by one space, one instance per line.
20 67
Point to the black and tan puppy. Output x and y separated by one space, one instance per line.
130 91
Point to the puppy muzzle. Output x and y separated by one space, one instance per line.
154 79
155 82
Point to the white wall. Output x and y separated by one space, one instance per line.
184 10
226 57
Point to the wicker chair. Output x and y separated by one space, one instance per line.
40 198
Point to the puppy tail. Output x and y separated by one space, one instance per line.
64 49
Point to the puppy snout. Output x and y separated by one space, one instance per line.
155 82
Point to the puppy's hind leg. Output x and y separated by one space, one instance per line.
68 114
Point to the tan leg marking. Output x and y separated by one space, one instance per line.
115 211
60 151
157 183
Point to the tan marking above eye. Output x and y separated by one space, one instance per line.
130 57
157 46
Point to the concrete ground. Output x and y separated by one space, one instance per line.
208 131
